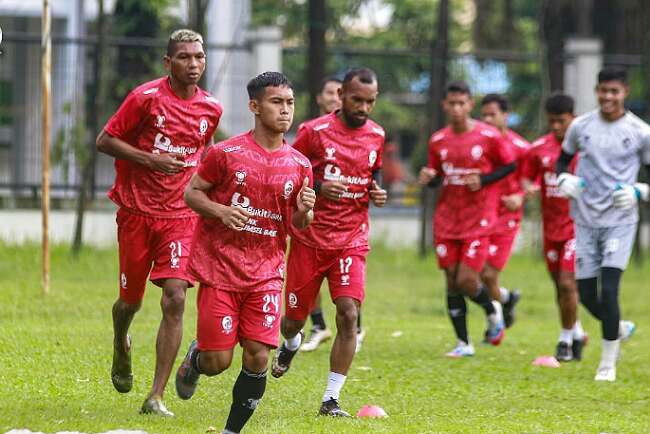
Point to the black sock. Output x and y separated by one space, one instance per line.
246 394
317 319
359 322
588 290
611 314
483 299
457 310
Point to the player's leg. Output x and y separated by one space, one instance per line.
588 263
361 332
319 332
457 312
135 264
499 252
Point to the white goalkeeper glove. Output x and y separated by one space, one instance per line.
570 185
626 196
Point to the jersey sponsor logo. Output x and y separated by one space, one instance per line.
379 131
456 175
150 91
293 300
552 189
301 161
321 126
203 127
231 149
160 121
441 250
476 152
226 324
123 280
244 202
240 177
372 158
333 173
329 153
288 189
164 143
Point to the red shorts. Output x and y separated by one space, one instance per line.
472 252
500 248
227 317
345 270
151 247
560 255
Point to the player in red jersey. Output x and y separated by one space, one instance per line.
249 190
467 157
157 137
559 238
345 149
494 111
328 101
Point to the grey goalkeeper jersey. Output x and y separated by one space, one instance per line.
609 153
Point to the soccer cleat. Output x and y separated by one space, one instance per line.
605 373
496 327
187 378
331 408
316 337
282 360
626 329
563 352
462 350
361 333
155 406
509 308
577 347
121 373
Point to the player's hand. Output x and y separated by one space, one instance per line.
333 190
626 196
570 186
166 163
306 197
513 201
426 175
473 181
378 195
235 217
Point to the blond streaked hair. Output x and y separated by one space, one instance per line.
182 35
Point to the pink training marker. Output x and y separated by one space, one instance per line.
547 362
371 411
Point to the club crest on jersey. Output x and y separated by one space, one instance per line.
288 189
160 121
269 320
226 324
372 158
477 152
332 173
329 153
240 177
203 127
552 255
441 250
443 154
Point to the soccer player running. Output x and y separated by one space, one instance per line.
611 144
467 157
345 149
157 137
494 111
558 231
248 191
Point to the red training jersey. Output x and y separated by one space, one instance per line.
540 164
347 155
511 184
154 119
266 184
461 213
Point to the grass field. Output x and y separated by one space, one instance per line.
55 357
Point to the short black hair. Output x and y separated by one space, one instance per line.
559 103
499 99
457 86
180 36
330 79
259 83
365 75
613 73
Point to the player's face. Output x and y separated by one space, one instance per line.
187 63
328 100
491 114
357 101
558 124
275 108
611 96
457 106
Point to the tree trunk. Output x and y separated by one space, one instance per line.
317 22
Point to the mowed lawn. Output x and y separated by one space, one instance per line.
55 358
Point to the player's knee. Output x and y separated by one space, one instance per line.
213 364
257 361
489 276
565 286
122 306
347 316
467 285
291 327
173 304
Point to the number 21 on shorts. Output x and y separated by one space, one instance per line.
175 254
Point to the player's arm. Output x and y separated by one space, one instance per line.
530 172
378 195
305 201
117 148
196 197
569 184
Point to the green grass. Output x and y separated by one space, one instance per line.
55 357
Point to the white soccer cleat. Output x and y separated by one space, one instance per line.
316 337
605 373
626 330
360 335
462 350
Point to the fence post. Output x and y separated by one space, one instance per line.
584 60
